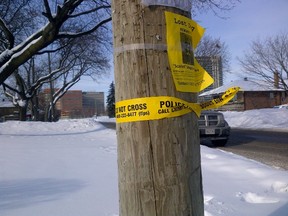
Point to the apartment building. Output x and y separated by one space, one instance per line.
78 104
213 65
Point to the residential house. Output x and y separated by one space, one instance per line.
8 111
253 94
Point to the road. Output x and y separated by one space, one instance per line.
268 147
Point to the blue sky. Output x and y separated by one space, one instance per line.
248 21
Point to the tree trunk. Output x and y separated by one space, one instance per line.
51 109
35 107
22 113
158 161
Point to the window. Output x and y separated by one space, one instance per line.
271 95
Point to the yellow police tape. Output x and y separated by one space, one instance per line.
153 108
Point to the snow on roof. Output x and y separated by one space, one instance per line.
245 85
5 103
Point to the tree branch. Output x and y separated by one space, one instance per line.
53 50
8 34
90 11
48 13
75 35
10 88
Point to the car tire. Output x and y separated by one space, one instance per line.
219 143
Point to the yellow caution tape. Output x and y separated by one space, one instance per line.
218 102
153 108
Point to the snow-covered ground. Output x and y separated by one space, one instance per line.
69 168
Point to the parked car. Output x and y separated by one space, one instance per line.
213 127
283 106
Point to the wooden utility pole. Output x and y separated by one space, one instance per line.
158 161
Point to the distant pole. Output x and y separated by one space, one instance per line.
158 161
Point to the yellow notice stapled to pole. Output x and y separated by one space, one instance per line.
153 108
183 36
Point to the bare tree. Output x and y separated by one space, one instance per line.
216 6
210 46
64 69
80 59
65 21
268 60
57 21
62 36
17 19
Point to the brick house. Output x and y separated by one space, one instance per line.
252 95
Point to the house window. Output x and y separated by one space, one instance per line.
271 95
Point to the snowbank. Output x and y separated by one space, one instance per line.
70 168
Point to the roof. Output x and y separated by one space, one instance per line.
245 85
5 103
